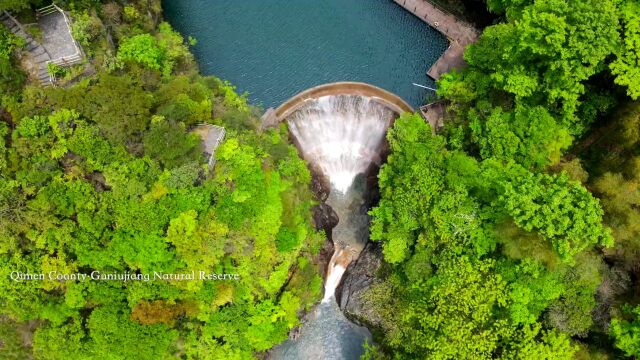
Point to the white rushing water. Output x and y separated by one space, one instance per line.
334 274
341 134
340 137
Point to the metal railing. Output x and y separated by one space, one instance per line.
46 10
15 21
77 56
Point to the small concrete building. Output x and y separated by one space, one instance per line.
211 136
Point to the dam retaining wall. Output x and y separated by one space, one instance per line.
273 116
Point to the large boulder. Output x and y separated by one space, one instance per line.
360 275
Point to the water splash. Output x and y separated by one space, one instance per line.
341 137
341 134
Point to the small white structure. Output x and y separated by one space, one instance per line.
212 136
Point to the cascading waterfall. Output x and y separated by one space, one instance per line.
342 134
341 137
334 274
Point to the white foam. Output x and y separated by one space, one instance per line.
341 134
334 275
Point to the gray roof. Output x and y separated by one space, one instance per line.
211 136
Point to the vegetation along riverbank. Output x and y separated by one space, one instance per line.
513 233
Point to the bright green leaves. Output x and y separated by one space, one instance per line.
56 128
529 136
143 49
626 332
626 67
409 182
60 342
564 43
200 244
452 316
286 240
160 52
564 212
32 127
449 225
416 199
78 193
525 94
61 123
534 343
112 332
531 289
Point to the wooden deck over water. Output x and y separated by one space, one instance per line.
459 33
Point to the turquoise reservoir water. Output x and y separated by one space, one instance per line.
275 49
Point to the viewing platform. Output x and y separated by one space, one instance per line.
57 46
459 33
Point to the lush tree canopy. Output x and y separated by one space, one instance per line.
105 176
456 292
512 234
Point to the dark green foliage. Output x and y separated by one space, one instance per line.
530 136
13 347
525 94
18 4
453 292
538 80
105 175
119 108
626 332
170 144
491 238
11 77
185 100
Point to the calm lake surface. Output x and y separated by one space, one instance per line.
275 49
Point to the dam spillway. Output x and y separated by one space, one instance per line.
342 138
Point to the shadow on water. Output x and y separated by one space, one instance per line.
342 138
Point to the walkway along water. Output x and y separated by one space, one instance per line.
459 33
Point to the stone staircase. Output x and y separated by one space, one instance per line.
38 53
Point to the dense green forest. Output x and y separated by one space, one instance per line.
103 175
514 233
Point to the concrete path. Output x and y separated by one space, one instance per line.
39 56
56 36
459 33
